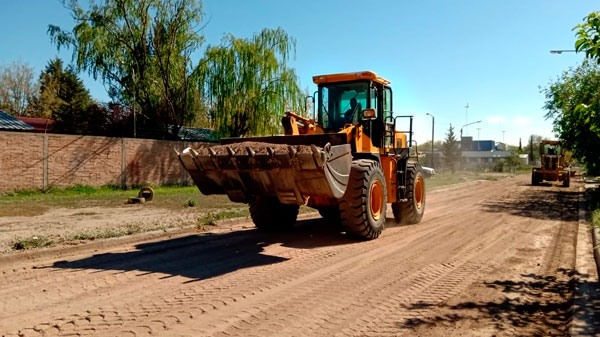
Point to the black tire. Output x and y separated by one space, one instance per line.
268 214
412 210
331 215
356 207
535 178
567 179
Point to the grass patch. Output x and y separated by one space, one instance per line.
32 242
105 234
211 218
31 203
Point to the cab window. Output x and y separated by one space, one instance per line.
342 103
387 103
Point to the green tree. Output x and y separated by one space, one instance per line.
51 80
533 148
64 98
18 89
450 149
514 160
141 49
588 36
573 101
248 84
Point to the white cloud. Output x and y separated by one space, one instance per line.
521 121
496 119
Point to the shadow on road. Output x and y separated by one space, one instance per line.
540 304
546 205
209 255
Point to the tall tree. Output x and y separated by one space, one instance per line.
532 148
51 80
573 101
64 98
248 84
450 149
142 50
18 89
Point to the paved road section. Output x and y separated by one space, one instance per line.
490 259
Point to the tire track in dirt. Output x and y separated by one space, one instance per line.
309 282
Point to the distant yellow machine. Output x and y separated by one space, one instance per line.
348 162
554 167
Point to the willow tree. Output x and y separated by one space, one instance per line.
141 49
18 89
248 85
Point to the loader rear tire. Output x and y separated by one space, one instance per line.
412 210
268 214
331 215
363 206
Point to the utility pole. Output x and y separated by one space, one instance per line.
478 129
432 128
466 118
503 131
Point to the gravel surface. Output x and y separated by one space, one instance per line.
490 259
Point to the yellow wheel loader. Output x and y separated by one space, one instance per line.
554 167
348 162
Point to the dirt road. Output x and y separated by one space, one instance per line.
494 258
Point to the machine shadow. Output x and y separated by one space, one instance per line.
545 205
207 255
525 306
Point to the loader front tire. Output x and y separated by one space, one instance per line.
268 214
567 179
535 178
412 210
363 206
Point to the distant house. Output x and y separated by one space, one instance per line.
482 153
12 123
41 125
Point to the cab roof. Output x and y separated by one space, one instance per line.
345 77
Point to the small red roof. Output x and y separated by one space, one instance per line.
38 124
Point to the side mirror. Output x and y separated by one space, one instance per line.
369 114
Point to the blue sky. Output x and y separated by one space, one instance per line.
439 54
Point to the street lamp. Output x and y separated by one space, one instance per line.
562 51
461 129
432 128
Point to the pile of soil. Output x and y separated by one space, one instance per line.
257 147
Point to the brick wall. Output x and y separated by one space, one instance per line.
38 161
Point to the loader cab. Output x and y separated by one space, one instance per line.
344 99
551 149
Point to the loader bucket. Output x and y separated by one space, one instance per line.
292 173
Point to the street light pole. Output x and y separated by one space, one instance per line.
562 51
461 132
432 128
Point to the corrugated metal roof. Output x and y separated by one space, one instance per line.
8 122
198 134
